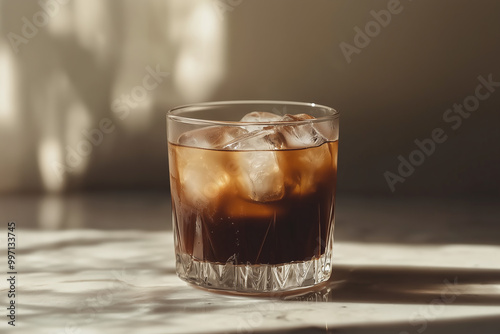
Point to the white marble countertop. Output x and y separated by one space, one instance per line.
98 281
104 263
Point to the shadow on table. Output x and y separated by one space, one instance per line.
162 304
483 325
433 288
407 285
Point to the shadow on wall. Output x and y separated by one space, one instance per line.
84 82
83 102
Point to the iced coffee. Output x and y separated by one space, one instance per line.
253 201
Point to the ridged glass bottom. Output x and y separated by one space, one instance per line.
254 278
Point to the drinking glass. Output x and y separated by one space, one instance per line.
253 194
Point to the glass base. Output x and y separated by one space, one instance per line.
253 279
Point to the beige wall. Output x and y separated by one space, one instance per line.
73 73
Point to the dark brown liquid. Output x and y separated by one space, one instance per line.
217 218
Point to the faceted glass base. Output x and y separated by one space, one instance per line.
254 278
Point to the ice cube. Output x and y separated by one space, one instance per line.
260 116
297 117
260 177
315 161
311 162
210 137
303 135
202 175
261 139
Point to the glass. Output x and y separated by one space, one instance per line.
252 200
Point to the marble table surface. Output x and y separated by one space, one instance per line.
90 280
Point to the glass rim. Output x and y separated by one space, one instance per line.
171 114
